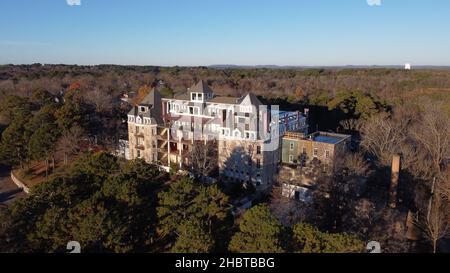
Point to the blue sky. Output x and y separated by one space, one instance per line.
245 32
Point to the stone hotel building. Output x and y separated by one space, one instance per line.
247 134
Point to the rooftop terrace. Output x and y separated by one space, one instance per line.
324 137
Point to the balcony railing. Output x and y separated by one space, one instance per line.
295 135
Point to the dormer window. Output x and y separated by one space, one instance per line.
142 109
198 97
245 109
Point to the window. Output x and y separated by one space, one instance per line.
258 150
138 153
143 109
200 97
291 159
224 115
193 96
327 154
316 152
140 141
304 150
258 163
291 146
191 110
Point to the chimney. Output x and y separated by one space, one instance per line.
395 173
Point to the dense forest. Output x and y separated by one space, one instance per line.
103 85
293 84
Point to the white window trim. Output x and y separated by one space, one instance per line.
252 135
291 159
225 131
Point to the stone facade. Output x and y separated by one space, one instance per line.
162 131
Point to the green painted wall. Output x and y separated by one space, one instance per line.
286 151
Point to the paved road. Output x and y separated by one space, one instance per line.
8 190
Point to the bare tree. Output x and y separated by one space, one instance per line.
355 163
350 124
101 100
434 223
203 158
432 133
382 137
69 143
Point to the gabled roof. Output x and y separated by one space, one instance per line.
201 87
151 98
152 101
251 99
136 112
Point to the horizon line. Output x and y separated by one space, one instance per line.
235 65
